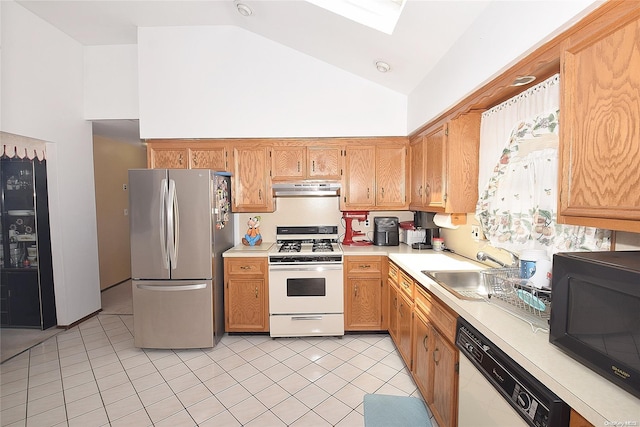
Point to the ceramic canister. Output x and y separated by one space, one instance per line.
528 259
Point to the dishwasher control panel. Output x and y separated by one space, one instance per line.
535 403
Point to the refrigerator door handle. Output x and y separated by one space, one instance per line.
172 288
173 224
163 224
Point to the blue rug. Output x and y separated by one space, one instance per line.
394 411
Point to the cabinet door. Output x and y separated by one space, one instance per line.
246 305
405 326
168 158
364 304
444 404
324 162
434 170
360 177
391 177
417 175
208 158
287 163
23 298
394 305
422 360
251 180
462 152
599 140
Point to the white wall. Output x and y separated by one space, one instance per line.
42 98
198 82
111 82
503 34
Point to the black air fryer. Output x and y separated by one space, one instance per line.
385 231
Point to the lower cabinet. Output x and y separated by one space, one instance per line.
246 295
424 333
364 292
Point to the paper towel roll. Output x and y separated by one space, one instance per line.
444 221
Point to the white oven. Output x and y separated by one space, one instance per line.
306 283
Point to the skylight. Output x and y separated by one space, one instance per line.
381 15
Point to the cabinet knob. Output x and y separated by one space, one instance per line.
424 342
436 357
383 192
368 192
194 159
245 267
298 166
256 291
180 158
355 290
364 266
420 191
313 165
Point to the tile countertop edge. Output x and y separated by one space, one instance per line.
592 396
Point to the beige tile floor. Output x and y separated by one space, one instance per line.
92 375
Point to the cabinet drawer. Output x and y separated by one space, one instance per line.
439 315
405 283
364 265
394 272
240 266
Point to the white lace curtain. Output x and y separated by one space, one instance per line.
517 206
497 123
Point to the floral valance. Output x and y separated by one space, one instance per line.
21 146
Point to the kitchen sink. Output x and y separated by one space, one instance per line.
464 284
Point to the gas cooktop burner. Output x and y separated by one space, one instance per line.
322 246
290 247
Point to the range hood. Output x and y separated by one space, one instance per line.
306 189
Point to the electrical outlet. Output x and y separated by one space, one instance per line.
126 212
124 187
475 232
366 222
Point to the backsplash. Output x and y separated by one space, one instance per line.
309 211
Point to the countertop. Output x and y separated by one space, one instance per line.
598 400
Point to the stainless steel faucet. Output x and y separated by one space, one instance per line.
483 256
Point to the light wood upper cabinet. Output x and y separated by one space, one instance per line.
168 158
251 181
391 177
324 162
187 154
444 166
208 158
301 162
600 127
360 178
375 177
288 163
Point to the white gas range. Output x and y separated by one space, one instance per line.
306 282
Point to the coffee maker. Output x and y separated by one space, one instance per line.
424 221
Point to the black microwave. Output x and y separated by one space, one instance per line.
595 313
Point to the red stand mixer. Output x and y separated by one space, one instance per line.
349 233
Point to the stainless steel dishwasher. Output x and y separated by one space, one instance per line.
494 391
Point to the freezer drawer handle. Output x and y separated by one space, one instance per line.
306 318
173 288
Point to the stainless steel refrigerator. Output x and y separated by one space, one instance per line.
180 224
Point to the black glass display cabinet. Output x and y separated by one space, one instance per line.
27 296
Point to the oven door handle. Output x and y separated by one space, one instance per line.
328 267
306 317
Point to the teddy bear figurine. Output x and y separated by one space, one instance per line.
253 237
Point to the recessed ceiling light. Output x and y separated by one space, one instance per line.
243 9
523 80
382 66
